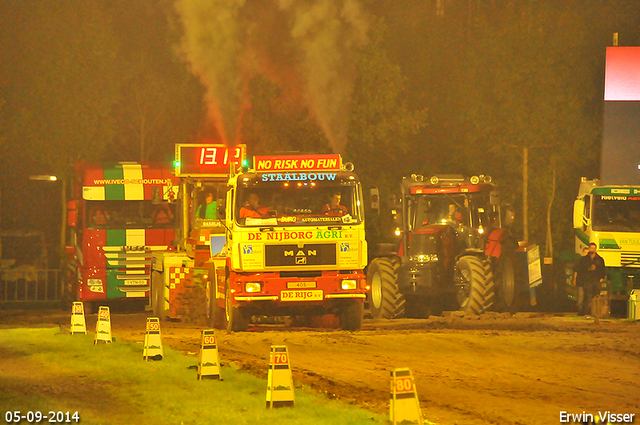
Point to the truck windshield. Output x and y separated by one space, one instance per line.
129 215
440 209
261 202
613 213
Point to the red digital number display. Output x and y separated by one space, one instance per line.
207 160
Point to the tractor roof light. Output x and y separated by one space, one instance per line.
447 178
474 179
417 177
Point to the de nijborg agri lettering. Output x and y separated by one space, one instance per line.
297 176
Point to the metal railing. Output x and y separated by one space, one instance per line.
30 285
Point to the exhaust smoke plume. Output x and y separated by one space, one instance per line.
212 45
307 47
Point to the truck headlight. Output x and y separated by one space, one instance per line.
253 287
424 258
94 282
348 284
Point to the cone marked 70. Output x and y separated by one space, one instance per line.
279 379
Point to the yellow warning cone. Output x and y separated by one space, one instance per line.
78 325
404 407
208 361
279 379
152 340
103 327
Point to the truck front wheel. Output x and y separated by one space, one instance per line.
351 316
237 320
385 302
216 314
475 284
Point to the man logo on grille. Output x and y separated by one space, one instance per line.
301 253
301 260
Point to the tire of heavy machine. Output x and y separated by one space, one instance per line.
507 296
157 295
351 316
216 314
478 295
385 302
237 320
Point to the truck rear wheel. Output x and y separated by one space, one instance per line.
237 320
476 287
385 301
351 316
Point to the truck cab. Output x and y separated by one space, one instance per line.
295 251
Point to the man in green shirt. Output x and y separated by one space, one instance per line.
208 210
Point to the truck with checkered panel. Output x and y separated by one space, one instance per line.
120 213
295 242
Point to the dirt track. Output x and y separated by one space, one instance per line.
496 369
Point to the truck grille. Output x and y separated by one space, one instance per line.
307 255
130 265
630 259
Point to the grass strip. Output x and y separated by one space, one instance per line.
43 370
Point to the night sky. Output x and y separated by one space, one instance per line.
397 87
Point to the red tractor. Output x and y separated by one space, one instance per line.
455 252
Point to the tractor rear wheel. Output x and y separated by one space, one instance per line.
385 302
508 296
476 288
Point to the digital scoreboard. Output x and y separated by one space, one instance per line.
207 160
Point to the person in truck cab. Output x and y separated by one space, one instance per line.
253 208
100 216
333 207
162 214
209 209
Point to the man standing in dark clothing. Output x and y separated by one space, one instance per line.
578 281
590 272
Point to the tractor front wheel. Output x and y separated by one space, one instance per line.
475 285
385 302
